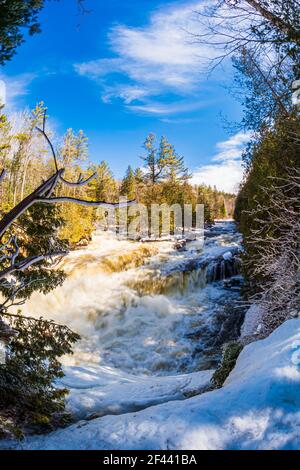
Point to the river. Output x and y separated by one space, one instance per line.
149 308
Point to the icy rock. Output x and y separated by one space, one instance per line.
252 322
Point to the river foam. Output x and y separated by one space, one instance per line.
146 308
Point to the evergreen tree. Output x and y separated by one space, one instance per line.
139 177
15 16
103 187
153 161
204 198
128 186
223 210
173 166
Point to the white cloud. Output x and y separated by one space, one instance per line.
226 174
16 88
180 120
148 61
127 93
231 149
171 108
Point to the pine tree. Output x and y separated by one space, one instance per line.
223 210
103 187
128 186
153 162
204 198
15 16
173 166
139 177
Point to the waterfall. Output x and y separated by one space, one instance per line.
146 308
221 269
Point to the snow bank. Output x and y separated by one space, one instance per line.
258 408
252 322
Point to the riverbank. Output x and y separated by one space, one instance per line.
153 320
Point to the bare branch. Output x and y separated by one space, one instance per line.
42 131
269 84
26 263
83 202
2 175
284 27
276 259
19 209
80 182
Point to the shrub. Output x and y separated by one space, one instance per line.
230 354
29 399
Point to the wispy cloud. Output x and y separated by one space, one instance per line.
167 108
147 62
231 149
180 120
226 169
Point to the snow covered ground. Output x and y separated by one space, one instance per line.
146 315
105 391
258 407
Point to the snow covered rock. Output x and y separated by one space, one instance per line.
258 408
100 391
252 321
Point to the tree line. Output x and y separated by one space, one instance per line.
162 177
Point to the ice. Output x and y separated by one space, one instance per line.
258 408
106 391
252 321
227 255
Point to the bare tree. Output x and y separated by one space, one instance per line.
261 26
262 37
277 246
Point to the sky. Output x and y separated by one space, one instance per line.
125 69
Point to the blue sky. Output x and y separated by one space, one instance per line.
126 69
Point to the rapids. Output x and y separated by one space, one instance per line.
149 308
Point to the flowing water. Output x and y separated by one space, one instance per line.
149 308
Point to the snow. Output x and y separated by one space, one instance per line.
135 305
227 256
104 390
258 408
252 321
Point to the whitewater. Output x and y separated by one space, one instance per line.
153 317
146 308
